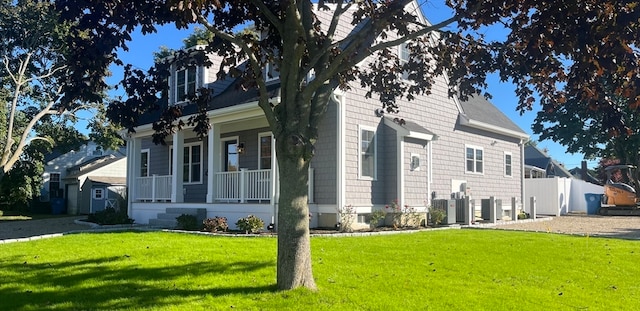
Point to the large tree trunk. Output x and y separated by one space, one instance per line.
294 245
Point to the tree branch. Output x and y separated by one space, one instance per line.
275 21
254 64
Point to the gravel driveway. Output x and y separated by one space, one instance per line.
627 227
17 229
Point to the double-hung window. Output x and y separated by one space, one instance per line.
403 56
191 164
186 83
54 185
368 153
508 166
265 151
474 160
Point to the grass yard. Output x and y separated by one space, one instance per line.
436 270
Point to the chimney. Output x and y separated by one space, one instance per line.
583 169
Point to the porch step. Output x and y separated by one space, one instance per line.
163 223
167 220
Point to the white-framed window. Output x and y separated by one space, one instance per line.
192 163
54 186
144 163
97 193
185 83
368 152
474 158
508 164
264 152
415 162
404 56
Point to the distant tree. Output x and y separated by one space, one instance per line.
557 49
33 74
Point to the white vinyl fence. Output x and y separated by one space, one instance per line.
557 196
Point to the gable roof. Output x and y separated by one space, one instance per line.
535 157
108 180
233 95
577 173
409 129
478 112
91 165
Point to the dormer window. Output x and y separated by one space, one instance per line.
186 83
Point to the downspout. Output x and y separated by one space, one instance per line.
338 98
522 194
429 172
130 177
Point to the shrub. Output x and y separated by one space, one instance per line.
376 217
250 223
346 214
437 215
187 222
216 224
110 216
403 216
523 215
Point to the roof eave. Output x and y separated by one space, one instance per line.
466 121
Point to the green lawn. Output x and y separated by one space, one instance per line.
436 270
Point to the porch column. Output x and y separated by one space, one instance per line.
213 150
177 195
133 169
274 173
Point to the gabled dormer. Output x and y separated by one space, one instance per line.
185 78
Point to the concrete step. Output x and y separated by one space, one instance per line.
188 211
168 216
163 223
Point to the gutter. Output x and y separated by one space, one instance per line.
466 121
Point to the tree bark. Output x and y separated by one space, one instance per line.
294 243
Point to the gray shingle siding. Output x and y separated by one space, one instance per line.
389 156
325 161
415 189
437 113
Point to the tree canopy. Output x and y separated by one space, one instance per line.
33 77
555 50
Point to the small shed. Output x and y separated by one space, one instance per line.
102 192
107 171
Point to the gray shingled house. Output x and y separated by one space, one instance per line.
364 158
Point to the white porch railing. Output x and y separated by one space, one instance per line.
246 185
243 185
239 186
153 188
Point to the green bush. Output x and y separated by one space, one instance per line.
216 224
110 216
250 224
437 215
188 222
376 217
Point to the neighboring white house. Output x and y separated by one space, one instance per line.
65 174
364 159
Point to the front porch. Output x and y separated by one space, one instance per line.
241 186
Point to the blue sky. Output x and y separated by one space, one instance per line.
141 50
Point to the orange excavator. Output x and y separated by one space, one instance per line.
620 197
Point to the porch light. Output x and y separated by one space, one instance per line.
240 148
